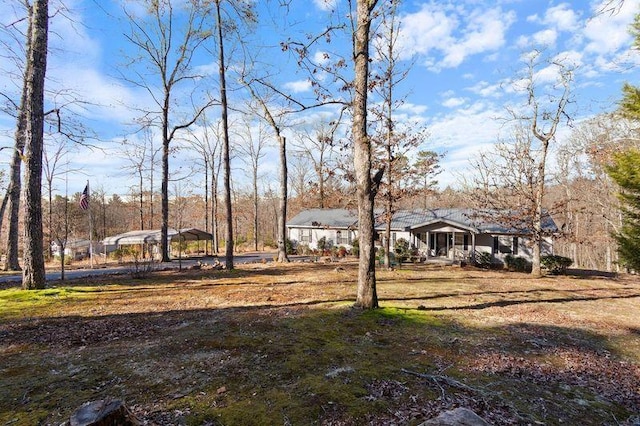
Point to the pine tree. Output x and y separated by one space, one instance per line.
625 171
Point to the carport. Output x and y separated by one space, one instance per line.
153 238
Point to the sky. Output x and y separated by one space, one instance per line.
464 60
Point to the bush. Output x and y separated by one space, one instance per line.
403 249
303 249
288 244
517 264
322 245
355 247
483 260
556 265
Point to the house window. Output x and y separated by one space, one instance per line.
432 241
466 242
340 240
304 235
496 245
393 239
514 246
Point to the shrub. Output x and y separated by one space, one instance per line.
403 249
355 247
303 249
556 264
517 264
483 260
322 245
288 244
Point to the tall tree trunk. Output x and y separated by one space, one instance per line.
33 276
214 209
206 202
536 269
141 202
255 207
282 213
15 183
164 230
367 297
225 142
3 207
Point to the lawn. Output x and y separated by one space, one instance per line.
281 344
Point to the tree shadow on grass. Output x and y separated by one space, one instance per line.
311 364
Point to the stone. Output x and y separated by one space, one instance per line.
106 412
458 417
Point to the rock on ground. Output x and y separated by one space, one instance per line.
457 417
105 412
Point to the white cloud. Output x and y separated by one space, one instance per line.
437 28
453 102
545 38
412 109
425 30
326 5
608 33
298 86
321 57
562 17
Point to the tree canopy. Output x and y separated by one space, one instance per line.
625 171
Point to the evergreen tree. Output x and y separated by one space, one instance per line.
630 103
625 171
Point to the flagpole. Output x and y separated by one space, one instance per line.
90 228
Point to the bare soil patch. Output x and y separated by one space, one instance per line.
281 344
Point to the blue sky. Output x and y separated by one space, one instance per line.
464 55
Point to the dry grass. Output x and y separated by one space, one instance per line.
280 344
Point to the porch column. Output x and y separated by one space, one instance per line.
473 247
453 244
428 244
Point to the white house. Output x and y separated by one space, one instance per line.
456 234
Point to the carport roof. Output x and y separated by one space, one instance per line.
154 236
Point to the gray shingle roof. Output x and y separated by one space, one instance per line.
330 218
476 220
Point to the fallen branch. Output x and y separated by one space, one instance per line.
439 378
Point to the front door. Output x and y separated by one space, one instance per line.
442 244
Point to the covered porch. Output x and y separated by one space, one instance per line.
443 240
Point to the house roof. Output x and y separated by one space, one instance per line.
154 236
324 218
479 221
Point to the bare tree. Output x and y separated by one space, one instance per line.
243 11
393 140
357 86
33 276
299 177
513 176
366 184
317 145
265 114
206 140
252 148
15 183
59 228
169 51
53 160
546 115
139 159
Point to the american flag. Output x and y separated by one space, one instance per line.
84 198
